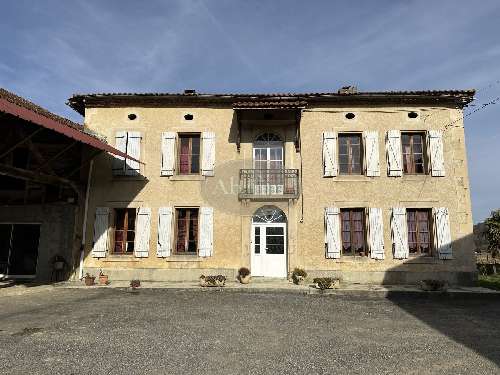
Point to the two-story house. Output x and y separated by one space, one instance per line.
371 187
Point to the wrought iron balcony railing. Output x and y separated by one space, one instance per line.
269 183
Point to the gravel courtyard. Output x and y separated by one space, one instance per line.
110 331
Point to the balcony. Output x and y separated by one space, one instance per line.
269 184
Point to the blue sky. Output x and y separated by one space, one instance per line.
51 49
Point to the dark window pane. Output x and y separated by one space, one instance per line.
275 249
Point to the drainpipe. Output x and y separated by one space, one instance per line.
84 225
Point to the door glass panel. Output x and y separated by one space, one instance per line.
275 231
275 240
257 240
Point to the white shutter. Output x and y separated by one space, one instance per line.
376 233
394 155
208 161
206 234
442 232
142 232
399 233
332 232
118 164
167 153
101 224
134 150
372 154
330 166
436 152
165 215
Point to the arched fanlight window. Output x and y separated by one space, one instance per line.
269 214
268 138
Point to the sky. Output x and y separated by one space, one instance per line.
51 49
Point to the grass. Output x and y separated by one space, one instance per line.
490 281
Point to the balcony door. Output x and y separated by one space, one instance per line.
268 164
269 243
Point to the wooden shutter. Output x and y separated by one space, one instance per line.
118 164
376 233
332 232
394 154
435 142
101 225
399 233
142 232
165 215
206 231
134 150
372 153
208 161
330 165
167 153
442 233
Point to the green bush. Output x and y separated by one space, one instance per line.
324 282
298 274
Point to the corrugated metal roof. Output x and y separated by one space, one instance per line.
17 106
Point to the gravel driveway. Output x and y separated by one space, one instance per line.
191 332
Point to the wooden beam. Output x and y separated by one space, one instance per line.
56 156
5 153
38 177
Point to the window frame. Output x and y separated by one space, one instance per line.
425 162
349 155
178 154
176 230
125 230
124 168
351 231
430 222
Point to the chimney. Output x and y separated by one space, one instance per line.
189 92
348 90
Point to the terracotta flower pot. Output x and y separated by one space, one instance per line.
245 279
103 279
89 281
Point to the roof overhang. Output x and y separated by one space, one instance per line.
276 104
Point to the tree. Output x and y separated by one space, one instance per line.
493 234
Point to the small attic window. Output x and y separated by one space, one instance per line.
132 116
412 114
188 117
350 115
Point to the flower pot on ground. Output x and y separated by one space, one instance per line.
103 279
211 281
323 283
298 276
134 284
244 275
89 279
434 285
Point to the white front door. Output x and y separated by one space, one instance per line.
268 165
268 256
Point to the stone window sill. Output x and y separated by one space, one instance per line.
183 258
121 258
187 177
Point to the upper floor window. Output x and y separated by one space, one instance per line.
350 154
353 231
189 153
413 153
124 230
418 222
128 142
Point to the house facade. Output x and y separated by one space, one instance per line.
371 187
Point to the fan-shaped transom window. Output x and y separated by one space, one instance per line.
269 214
268 138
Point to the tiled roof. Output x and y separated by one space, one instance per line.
270 104
79 101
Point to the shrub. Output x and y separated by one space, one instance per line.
218 280
324 282
298 275
135 283
243 272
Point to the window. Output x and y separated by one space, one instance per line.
189 153
413 153
353 231
124 230
128 142
350 154
419 231
186 241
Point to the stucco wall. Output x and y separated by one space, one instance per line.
305 234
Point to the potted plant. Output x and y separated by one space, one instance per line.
298 276
430 285
134 284
211 281
89 279
323 283
103 279
244 276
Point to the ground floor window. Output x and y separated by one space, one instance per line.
353 231
186 241
124 235
419 231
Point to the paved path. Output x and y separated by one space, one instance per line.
114 331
